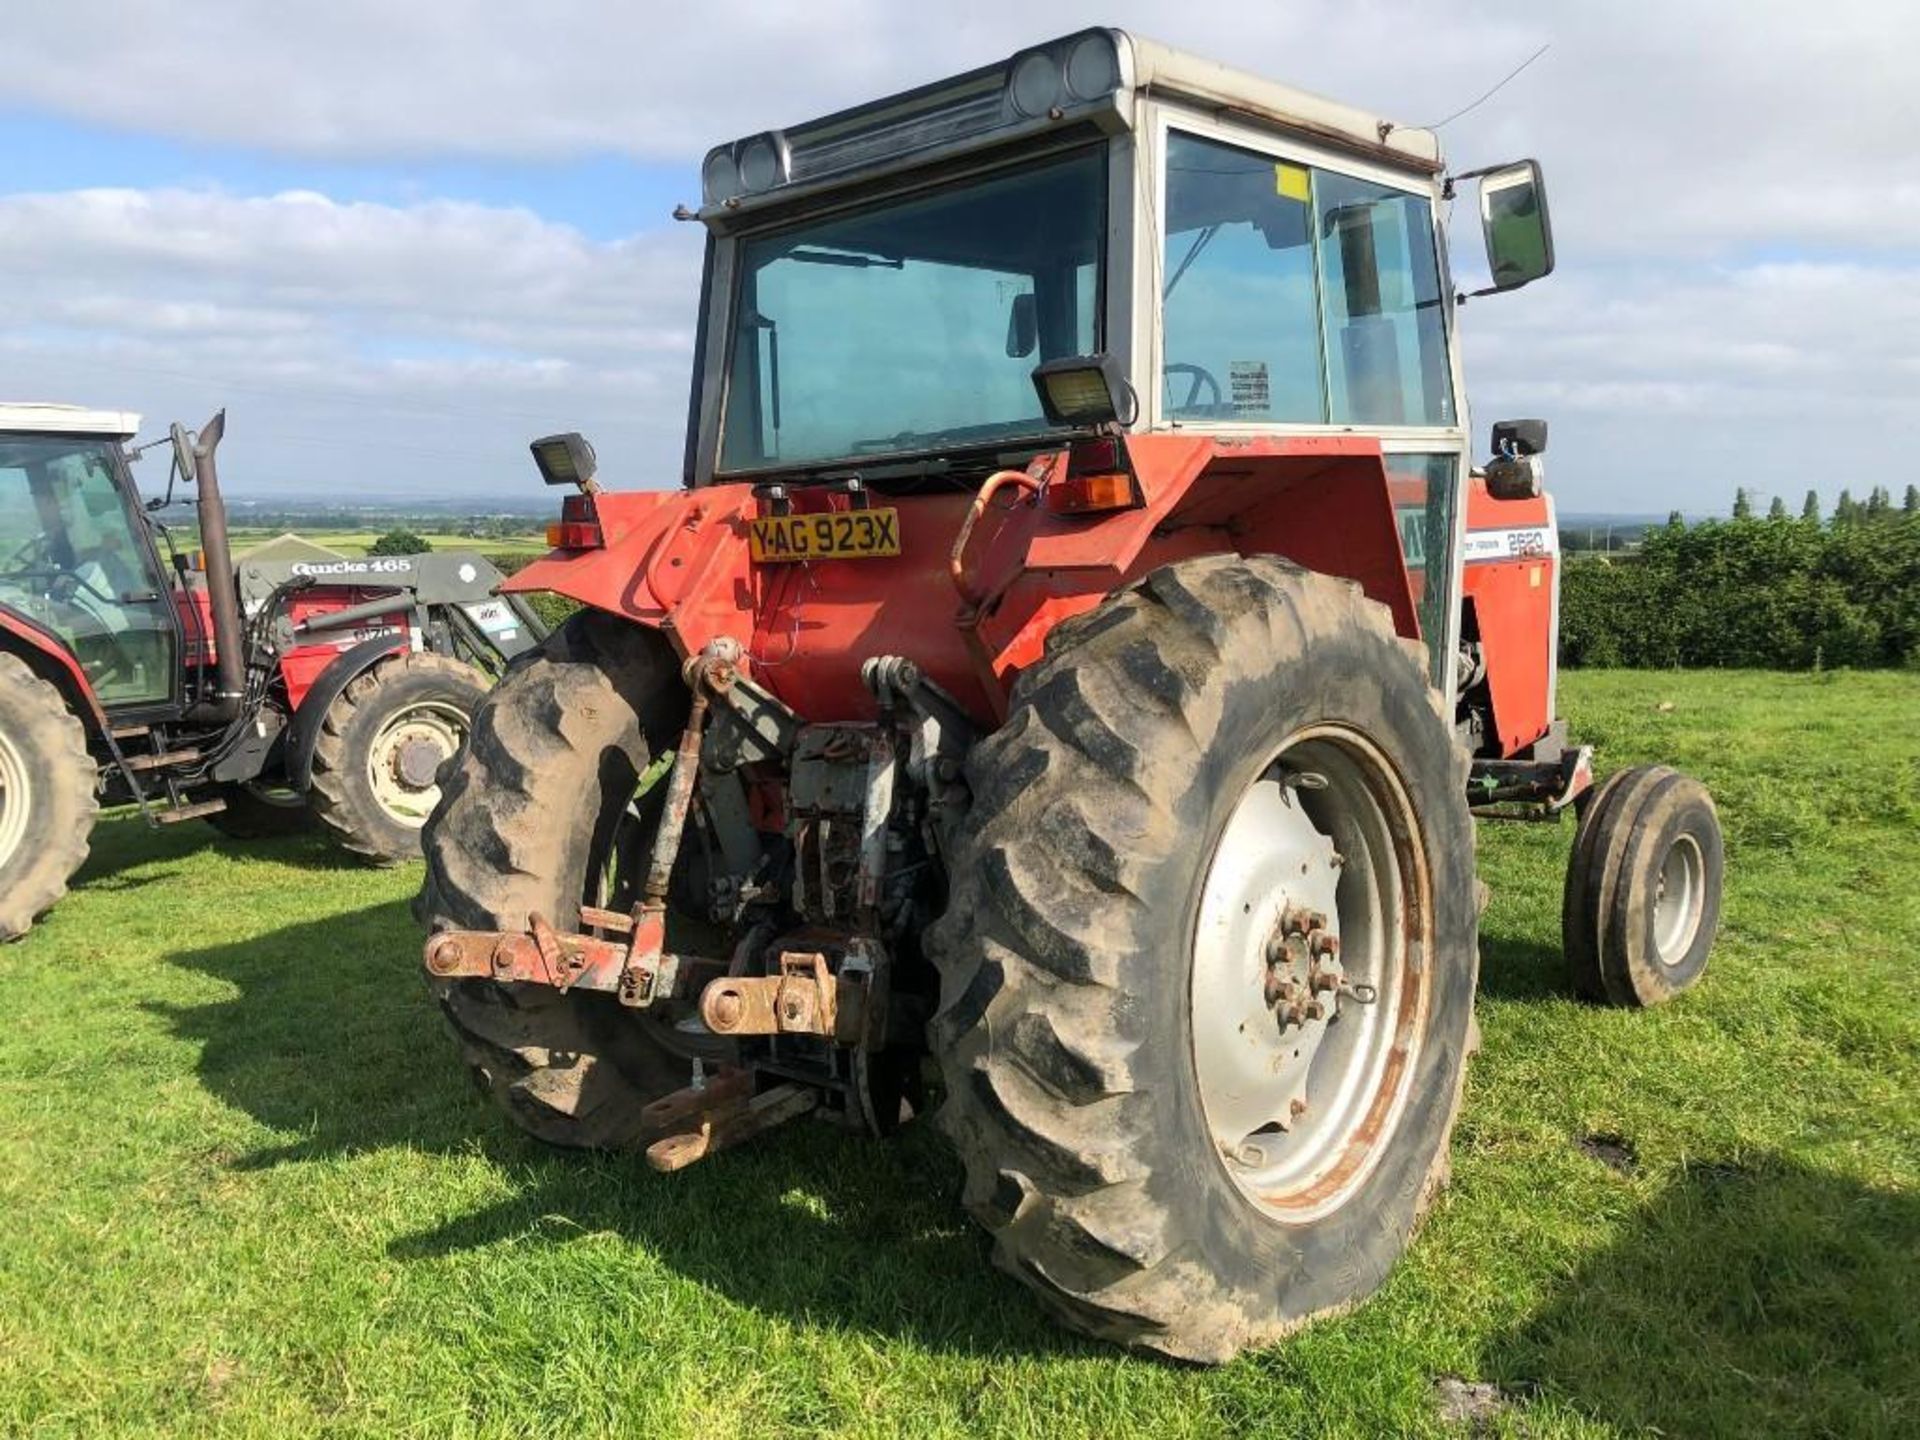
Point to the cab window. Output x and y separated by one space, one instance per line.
1297 295
72 562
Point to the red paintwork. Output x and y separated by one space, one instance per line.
301 665
678 561
57 658
1512 599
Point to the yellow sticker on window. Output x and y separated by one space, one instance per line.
1292 182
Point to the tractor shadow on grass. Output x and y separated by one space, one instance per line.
330 1036
122 843
1745 1300
1515 968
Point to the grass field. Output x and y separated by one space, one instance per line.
248 1192
357 542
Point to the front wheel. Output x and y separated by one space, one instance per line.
1208 970
47 796
376 762
1642 900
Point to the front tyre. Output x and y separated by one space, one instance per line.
377 759
1642 901
47 796
1208 970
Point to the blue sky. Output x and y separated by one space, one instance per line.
397 241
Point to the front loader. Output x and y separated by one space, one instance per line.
1061 692
259 697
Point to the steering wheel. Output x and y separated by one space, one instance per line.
1199 378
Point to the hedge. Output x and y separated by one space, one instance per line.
1766 593
1754 593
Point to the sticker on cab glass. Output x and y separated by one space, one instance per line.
1249 387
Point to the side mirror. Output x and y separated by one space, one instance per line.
1519 437
1023 325
182 453
1513 217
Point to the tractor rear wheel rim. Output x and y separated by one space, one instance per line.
1299 1105
16 798
1679 899
431 723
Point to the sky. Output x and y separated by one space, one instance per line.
397 241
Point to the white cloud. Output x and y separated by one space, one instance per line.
1670 122
1736 207
451 327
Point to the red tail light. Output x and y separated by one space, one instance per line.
1099 477
578 527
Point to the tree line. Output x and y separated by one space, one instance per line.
1776 591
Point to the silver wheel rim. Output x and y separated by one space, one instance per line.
1679 897
397 765
16 798
1322 847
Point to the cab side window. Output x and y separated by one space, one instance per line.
1385 315
1292 294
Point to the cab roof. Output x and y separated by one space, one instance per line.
1091 77
42 417
1162 69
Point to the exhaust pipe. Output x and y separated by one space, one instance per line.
230 663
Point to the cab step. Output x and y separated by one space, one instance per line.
131 732
163 760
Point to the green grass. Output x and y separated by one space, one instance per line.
357 542
246 1190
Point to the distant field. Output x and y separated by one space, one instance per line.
357 542
248 1190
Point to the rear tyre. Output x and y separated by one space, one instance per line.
1642 900
529 814
377 759
257 812
47 796
1206 779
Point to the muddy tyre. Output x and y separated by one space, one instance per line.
527 814
1205 779
1641 906
382 742
47 796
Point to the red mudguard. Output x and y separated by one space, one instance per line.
679 561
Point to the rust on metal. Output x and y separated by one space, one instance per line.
803 997
720 1114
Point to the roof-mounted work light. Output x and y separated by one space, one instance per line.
565 459
1084 390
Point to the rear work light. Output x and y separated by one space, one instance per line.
1099 477
578 527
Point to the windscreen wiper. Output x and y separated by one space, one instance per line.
762 322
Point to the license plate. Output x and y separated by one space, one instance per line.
838 535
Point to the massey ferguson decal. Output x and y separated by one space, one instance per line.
1525 542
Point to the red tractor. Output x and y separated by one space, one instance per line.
254 696
1063 689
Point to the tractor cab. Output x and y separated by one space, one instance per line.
1099 232
77 559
